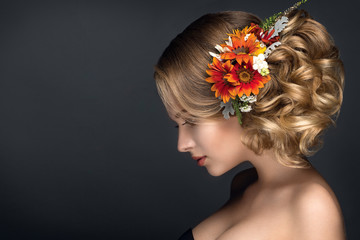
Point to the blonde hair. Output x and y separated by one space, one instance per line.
301 100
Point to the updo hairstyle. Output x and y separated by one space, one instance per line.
301 100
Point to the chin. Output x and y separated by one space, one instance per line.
215 172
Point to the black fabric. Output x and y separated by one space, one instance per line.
187 235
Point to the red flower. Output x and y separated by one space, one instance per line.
246 79
262 35
266 38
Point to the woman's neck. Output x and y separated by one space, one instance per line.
271 172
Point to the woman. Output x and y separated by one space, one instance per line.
264 95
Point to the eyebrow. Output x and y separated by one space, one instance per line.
177 115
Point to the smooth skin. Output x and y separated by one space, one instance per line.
269 201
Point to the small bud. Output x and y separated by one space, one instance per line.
264 71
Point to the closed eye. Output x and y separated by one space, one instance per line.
186 123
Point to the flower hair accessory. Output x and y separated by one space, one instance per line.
240 69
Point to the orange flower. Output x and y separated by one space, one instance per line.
243 46
248 29
247 79
222 87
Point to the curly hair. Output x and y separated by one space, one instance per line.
293 110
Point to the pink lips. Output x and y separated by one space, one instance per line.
200 160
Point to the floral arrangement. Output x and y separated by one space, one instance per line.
239 69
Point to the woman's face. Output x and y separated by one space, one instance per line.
215 144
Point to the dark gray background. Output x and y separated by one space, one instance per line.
86 148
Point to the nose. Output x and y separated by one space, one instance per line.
185 140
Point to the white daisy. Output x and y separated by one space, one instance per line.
246 108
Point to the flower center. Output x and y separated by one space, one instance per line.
241 50
245 75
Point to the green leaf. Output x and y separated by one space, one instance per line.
237 109
270 21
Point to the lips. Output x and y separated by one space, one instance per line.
200 160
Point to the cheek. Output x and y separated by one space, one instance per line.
209 138
223 138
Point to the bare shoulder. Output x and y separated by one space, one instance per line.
316 212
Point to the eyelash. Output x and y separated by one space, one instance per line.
190 124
